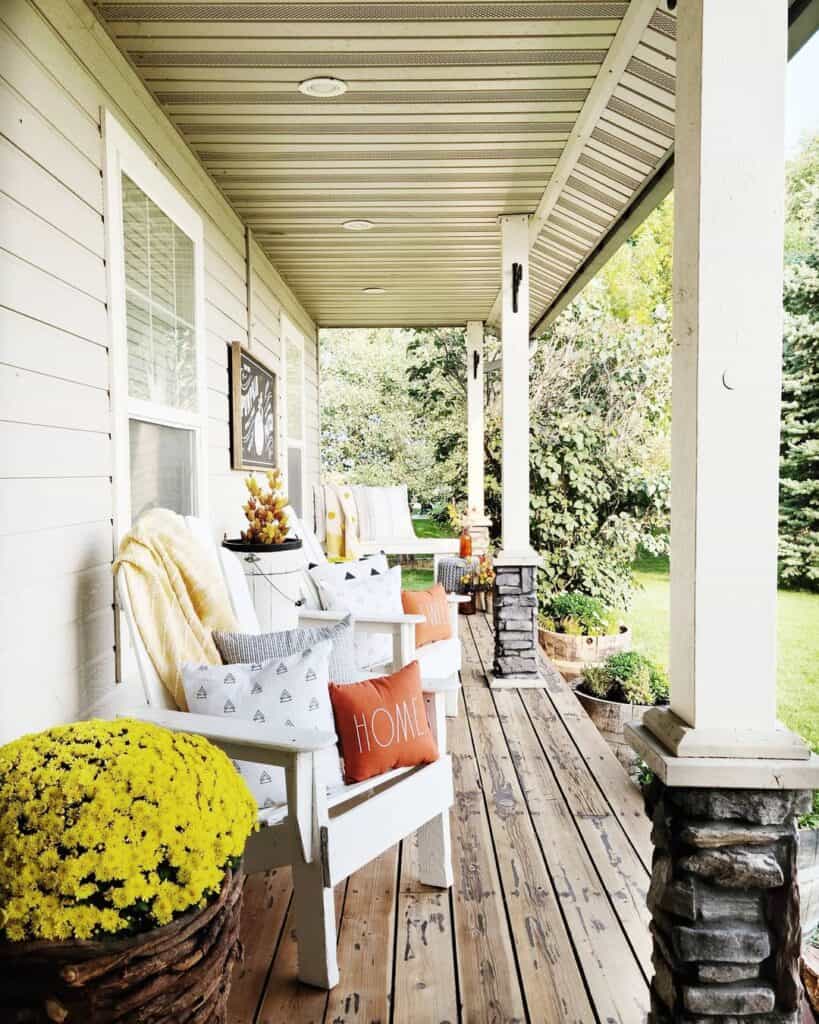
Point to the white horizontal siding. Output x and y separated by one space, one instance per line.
58 70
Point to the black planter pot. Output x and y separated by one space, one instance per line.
243 547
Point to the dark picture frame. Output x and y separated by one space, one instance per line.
254 429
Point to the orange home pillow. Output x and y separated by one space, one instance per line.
433 604
382 724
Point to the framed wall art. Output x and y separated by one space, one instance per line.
253 411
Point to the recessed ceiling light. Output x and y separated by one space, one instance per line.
323 88
358 225
373 291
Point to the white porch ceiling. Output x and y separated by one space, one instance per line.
456 113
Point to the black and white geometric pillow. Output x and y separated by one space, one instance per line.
280 693
369 595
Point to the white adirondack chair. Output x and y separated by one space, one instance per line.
440 662
323 833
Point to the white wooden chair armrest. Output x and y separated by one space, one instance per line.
457 598
366 623
238 739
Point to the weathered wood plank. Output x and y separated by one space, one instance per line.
616 983
551 978
623 874
612 782
266 900
489 985
365 945
425 988
285 998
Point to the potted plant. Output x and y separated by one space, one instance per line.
120 880
267 522
576 630
477 583
621 690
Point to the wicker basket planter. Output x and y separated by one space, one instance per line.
570 654
180 972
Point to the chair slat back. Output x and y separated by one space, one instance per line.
156 695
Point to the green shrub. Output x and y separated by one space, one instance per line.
596 681
577 615
629 678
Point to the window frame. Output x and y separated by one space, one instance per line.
123 155
291 333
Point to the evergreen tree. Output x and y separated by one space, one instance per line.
799 464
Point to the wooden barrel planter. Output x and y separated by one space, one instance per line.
180 972
571 654
610 717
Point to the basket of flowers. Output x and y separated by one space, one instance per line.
477 582
120 880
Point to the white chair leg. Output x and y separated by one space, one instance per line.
451 700
315 910
435 852
434 842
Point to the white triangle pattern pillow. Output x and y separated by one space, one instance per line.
370 595
282 693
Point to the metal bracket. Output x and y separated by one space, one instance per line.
476 362
517 277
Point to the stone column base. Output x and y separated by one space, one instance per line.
478 526
724 901
515 620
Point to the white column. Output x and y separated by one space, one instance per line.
728 233
515 392
474 418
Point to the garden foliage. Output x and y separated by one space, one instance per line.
799 464
629 678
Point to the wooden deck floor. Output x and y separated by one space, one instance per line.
546 921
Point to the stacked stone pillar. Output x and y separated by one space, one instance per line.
724 902
515 620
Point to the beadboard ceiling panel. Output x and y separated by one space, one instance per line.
455 114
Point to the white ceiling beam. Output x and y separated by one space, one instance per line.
632 29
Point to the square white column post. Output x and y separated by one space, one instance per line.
728 250
474 416
476 509
515 601
515 389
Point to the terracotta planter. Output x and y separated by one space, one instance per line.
178 972
610 717
571 654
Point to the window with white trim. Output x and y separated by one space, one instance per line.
295 415
155 250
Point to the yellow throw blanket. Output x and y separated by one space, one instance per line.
341 541
177 596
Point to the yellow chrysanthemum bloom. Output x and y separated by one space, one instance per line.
114 828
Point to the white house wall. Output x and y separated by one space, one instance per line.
58 69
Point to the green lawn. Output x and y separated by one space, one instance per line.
798 627
798 681
420 579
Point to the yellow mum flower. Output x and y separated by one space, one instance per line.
114 827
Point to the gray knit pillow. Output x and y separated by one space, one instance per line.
247 648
